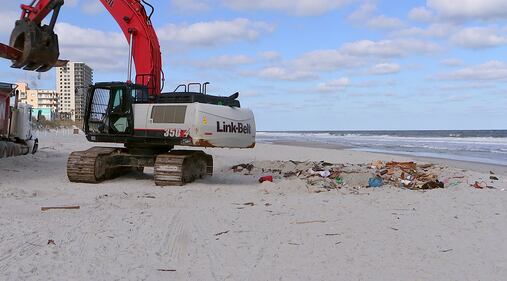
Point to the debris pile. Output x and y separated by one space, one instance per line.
324 176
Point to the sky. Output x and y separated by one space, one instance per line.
312 64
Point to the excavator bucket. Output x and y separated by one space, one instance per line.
32 47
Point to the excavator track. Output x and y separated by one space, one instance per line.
175 168
179 167
90 166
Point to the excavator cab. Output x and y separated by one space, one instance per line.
109 112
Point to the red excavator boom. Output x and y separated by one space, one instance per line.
34 46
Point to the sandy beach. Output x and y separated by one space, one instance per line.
231 227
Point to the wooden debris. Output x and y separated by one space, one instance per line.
60 208
166 270
222 233
307 222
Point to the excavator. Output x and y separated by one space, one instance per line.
136 113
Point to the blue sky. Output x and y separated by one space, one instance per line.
313 64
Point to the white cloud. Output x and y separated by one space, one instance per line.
270 55
452 62
389 48
365 15
438 30
421 14
295 7
71 3
489 71
190 5
478 38
225 61
349 56
7 21
324 60
470 9
280 73
105 51
384 22
365 11
93 7
334 85
213 33
385 68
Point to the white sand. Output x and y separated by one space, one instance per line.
122 233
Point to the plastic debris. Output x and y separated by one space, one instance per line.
339 180
266 178
375 182
405 183
325 174
479 185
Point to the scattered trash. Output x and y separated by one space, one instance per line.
433 185
266 178
51 242
479 185
241 167
166 270
59 208
493 178
445 251
324 176
375 182
249 204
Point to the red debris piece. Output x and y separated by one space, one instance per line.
266 178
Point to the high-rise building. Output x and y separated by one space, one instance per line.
43 101
72 83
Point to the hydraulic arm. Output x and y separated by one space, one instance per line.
34 45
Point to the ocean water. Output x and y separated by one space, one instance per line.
477 146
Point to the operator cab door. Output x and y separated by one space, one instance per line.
120 112
110 110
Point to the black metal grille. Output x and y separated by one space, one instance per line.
98 111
